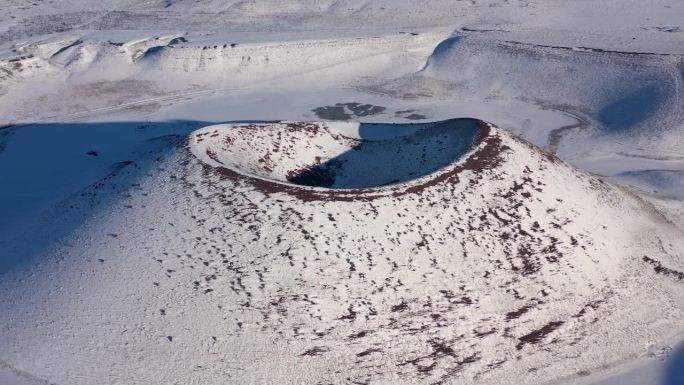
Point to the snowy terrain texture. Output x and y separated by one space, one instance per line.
345 192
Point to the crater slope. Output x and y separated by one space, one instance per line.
495 263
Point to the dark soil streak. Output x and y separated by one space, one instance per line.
518 313
536 336
658 267
316 351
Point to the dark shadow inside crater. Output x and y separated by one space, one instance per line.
391 153
319 175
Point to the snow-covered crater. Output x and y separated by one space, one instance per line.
336 155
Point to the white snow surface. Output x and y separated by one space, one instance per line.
157 223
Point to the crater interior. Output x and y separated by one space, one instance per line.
336 155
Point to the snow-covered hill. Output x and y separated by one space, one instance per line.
277 191
501 265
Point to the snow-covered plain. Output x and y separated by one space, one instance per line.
154 227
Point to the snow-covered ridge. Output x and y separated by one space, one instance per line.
615 91
216 62
229 63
